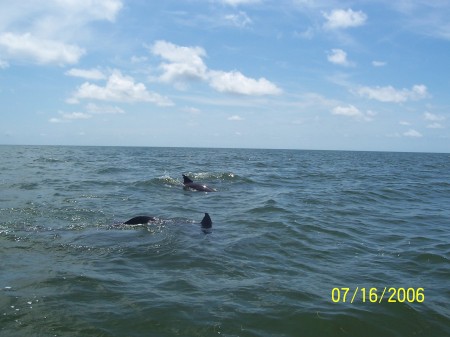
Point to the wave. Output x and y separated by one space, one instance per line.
431 258
222 176
158 182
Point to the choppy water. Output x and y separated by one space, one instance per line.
289 226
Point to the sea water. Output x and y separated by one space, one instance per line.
304 243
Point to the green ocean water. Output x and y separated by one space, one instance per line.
288 228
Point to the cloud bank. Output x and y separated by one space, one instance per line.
186 64
91 74
119 88
352 112
27 47
390 94
45 32
340 18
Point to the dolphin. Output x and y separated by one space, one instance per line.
189 184
140 220
206 223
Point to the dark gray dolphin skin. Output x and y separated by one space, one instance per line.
140 220
188 183
206 222
143 220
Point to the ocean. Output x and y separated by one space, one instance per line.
303 243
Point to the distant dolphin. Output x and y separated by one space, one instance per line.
144 219
140 220
189 184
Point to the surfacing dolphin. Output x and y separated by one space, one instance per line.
140 220
189 184
206 223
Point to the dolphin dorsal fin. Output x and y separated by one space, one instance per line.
186 180
206 221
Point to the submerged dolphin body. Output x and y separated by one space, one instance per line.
144 219
189 184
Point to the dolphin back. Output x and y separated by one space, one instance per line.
189 184
140 220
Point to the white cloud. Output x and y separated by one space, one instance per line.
69 116
339 18
338 56
307 34
240 20
51 17
186 64
353 112
91 109
378 63
428 116
390 94
435 126
349 111
42 51
76 115
239 2
56 120
90 74
103 109
191 110
412 133
90 9
119 88
235 118
46 32
236 83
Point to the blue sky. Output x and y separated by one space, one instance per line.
302 74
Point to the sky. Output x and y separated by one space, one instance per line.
293 74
